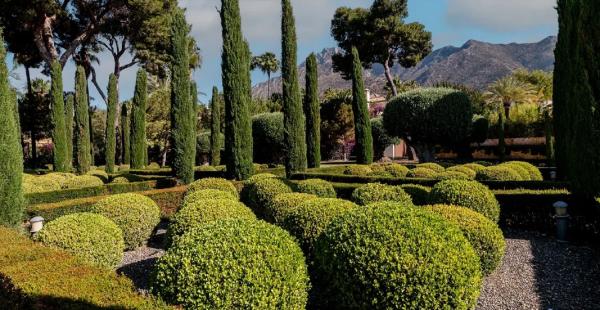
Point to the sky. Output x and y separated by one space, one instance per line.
452 22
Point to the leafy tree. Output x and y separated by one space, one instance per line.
215 128
69 119
294 121
362 123
126 132
540 81
381 36
59 135
313 113
337 122
111 123
158 121
381 139
35 116
82 124
268 64
508 91
236 92
138 122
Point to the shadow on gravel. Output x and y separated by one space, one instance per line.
139 272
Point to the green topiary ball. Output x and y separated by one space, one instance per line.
470 173
207 194
422 173
534 173
283 204
201 212
92 237
522 172
261 176
153 166
206 169
468 194
388 257
376 192
452 175
213 183
318 187
135 214
484 235
389 169
60 177
498 173
418 193
432 166
261 193
40 184
233 264
358 170
308 221
120 180
83 181
475 167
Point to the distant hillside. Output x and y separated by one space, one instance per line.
475 64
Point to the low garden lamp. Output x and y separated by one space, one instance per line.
37 223
562 220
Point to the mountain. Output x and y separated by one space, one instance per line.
475 64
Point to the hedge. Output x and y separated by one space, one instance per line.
53 279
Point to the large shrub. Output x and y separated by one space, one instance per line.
470 173
261 193
474 166
92 237
522 172
358 170
484 235
430 116
376 192
207 194
452 175
534 172
267 133
389 169
381 139
468 194
213 183
421 173
283 204
318 187
387 257
418 193
498 173
83 181
233 264
432 166
135 214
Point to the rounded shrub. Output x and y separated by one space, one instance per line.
534 173
201 212
268 137
120 180
213 183
136 215
206 169
92 237
43 184
207 194
283 204
418 193
358 170
389 170
83 181
422 173
470 173
101 174
261 193
452 175
310 219
30 188
60 177
317 187
153 166
498 173
233 264
475 167
388 257
522 172
484 235
375 192
260 176
468 194
432 166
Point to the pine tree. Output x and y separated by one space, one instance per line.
12 203
126 133
362 122
295 136
111 121
83 159
69 118
138 122
312 110
59 135
235 66
215 128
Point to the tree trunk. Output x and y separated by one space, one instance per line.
389 77
269 85
507 105
425 152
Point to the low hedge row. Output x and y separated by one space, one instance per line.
53 279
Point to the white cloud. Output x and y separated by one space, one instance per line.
502 15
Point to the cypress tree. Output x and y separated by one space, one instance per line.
501 138
59 135
126 133
111 119
312 110
69 118
138 122
215 128
362 122
576 95
295 136
83 159
235 66
11 157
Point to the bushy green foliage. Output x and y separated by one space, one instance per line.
452 175
283 204
135 214
262 192
101 174
111 123
46 183
358 170
69 123
120 180
138 121
468 194
368 255
92 237
422 173
474 166
215 128
213 183
534 172
481 127
207 194
376 192
360 108
418 193
206 169
126 134
381 138
82 182
83 147
153 166
391 169
470 173
264 268
498 173
432 166
312 110
260 176
318 187
59 133
484 235
269 143
522 172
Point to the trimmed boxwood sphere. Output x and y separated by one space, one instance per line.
468 194
206 169
233 264
207 194
136 215
262 192
484 235
498 173
475 167
522 172
201 212
120 180
358 170
432 166
375 192
534 173
389 169
316 187
388 257
418 193
268 137
452 175
213 183
92 237
422 173
283 204
470 173
83 181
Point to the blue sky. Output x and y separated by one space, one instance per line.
452 22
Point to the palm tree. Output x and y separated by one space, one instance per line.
268 64
508 91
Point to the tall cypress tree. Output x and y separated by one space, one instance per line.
215 128
11 157
295 136
235 66
59 135
111 121
126 133
362 122
312 110
83 159
138 121
69 118
577 95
